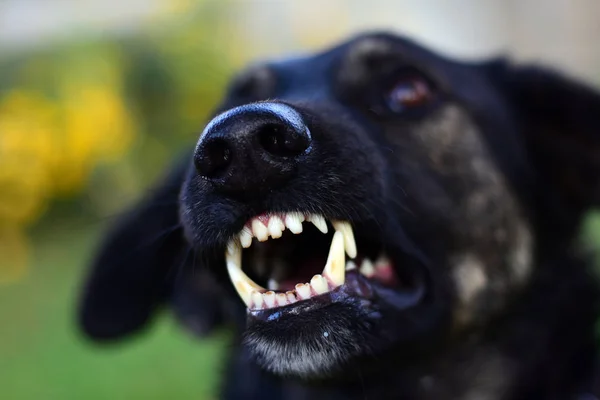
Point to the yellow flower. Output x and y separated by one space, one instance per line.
49 149
97 128
27 154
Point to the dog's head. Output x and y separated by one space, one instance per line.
371 199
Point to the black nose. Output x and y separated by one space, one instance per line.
252 147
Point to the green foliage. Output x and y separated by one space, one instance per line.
101 118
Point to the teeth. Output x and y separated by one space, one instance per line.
278 223
303 291
383 269
319 222
334 269
272 284
257 301
281 299
334 274
234 252
294 222
276 227
244 285
350 266
246 237
367 268
291 297
260 230
269 299
319 284
349 242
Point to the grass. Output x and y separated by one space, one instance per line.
43 356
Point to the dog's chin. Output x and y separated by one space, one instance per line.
316 342
317 338
321 305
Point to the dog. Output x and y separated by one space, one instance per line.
377 222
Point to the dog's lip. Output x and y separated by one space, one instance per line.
357 289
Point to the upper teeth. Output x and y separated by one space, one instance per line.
333 275
276 224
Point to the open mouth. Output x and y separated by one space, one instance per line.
306 263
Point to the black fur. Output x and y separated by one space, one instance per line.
476 195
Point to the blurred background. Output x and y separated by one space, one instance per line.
97 96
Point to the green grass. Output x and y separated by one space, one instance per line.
43 356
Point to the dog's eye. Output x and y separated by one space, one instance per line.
410 92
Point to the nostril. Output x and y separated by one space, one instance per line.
213 158
282 141
252 148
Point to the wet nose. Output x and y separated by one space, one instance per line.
252 147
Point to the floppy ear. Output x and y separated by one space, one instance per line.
560 123
139 267
199 303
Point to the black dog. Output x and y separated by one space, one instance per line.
438 258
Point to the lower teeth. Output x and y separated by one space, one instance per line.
318 285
